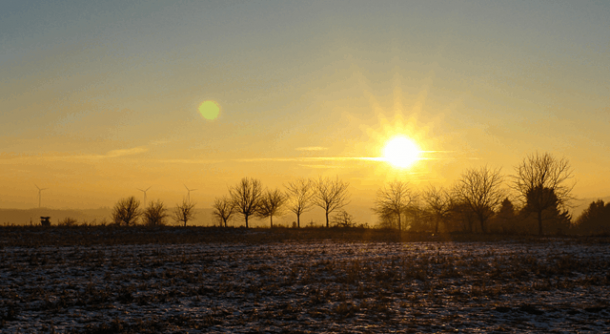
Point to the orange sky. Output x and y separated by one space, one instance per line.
97 100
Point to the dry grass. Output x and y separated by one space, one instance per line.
146 280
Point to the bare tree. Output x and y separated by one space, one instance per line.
300 197
271 204
343 219
541 181
223 209
480 190
393 200
155 214
331 195
184 212
438 203
246 197
126 211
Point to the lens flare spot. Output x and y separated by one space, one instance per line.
209 110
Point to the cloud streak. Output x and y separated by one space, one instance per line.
123 153
312 148
310 159
9 158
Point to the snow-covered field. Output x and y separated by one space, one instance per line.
307 287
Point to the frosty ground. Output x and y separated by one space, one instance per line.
299 287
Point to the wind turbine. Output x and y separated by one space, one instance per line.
40 195
144 191
188 194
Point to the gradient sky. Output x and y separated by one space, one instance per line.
98 98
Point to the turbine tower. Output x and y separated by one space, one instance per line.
40 195
144 191
188 194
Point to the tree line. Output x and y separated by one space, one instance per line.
247 198
480 201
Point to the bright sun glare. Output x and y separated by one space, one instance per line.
401 152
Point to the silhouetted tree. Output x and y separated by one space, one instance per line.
343 219
155 214
300 197
595 219
542 182
270 204
184 212
480 190
393 200
68 222
331 195
505 218
126 211
223 209
461 217
387 220
438 203
246 197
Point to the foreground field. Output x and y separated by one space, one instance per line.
300 287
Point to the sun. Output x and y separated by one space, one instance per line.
401 152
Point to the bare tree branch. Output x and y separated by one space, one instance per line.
343 219
331 195
300 197
126 211
393 199
155 214
223 209
438 203
246 197
542 183
480 190
184 212
271 204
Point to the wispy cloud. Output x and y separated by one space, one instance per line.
191 161
312 148
124 152
310 159
322 166
8 158
313 162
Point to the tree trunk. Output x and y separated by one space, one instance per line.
540 223
482 223
327 224
298 221
399 227
246 221
271 220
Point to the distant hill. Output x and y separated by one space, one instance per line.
92 216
